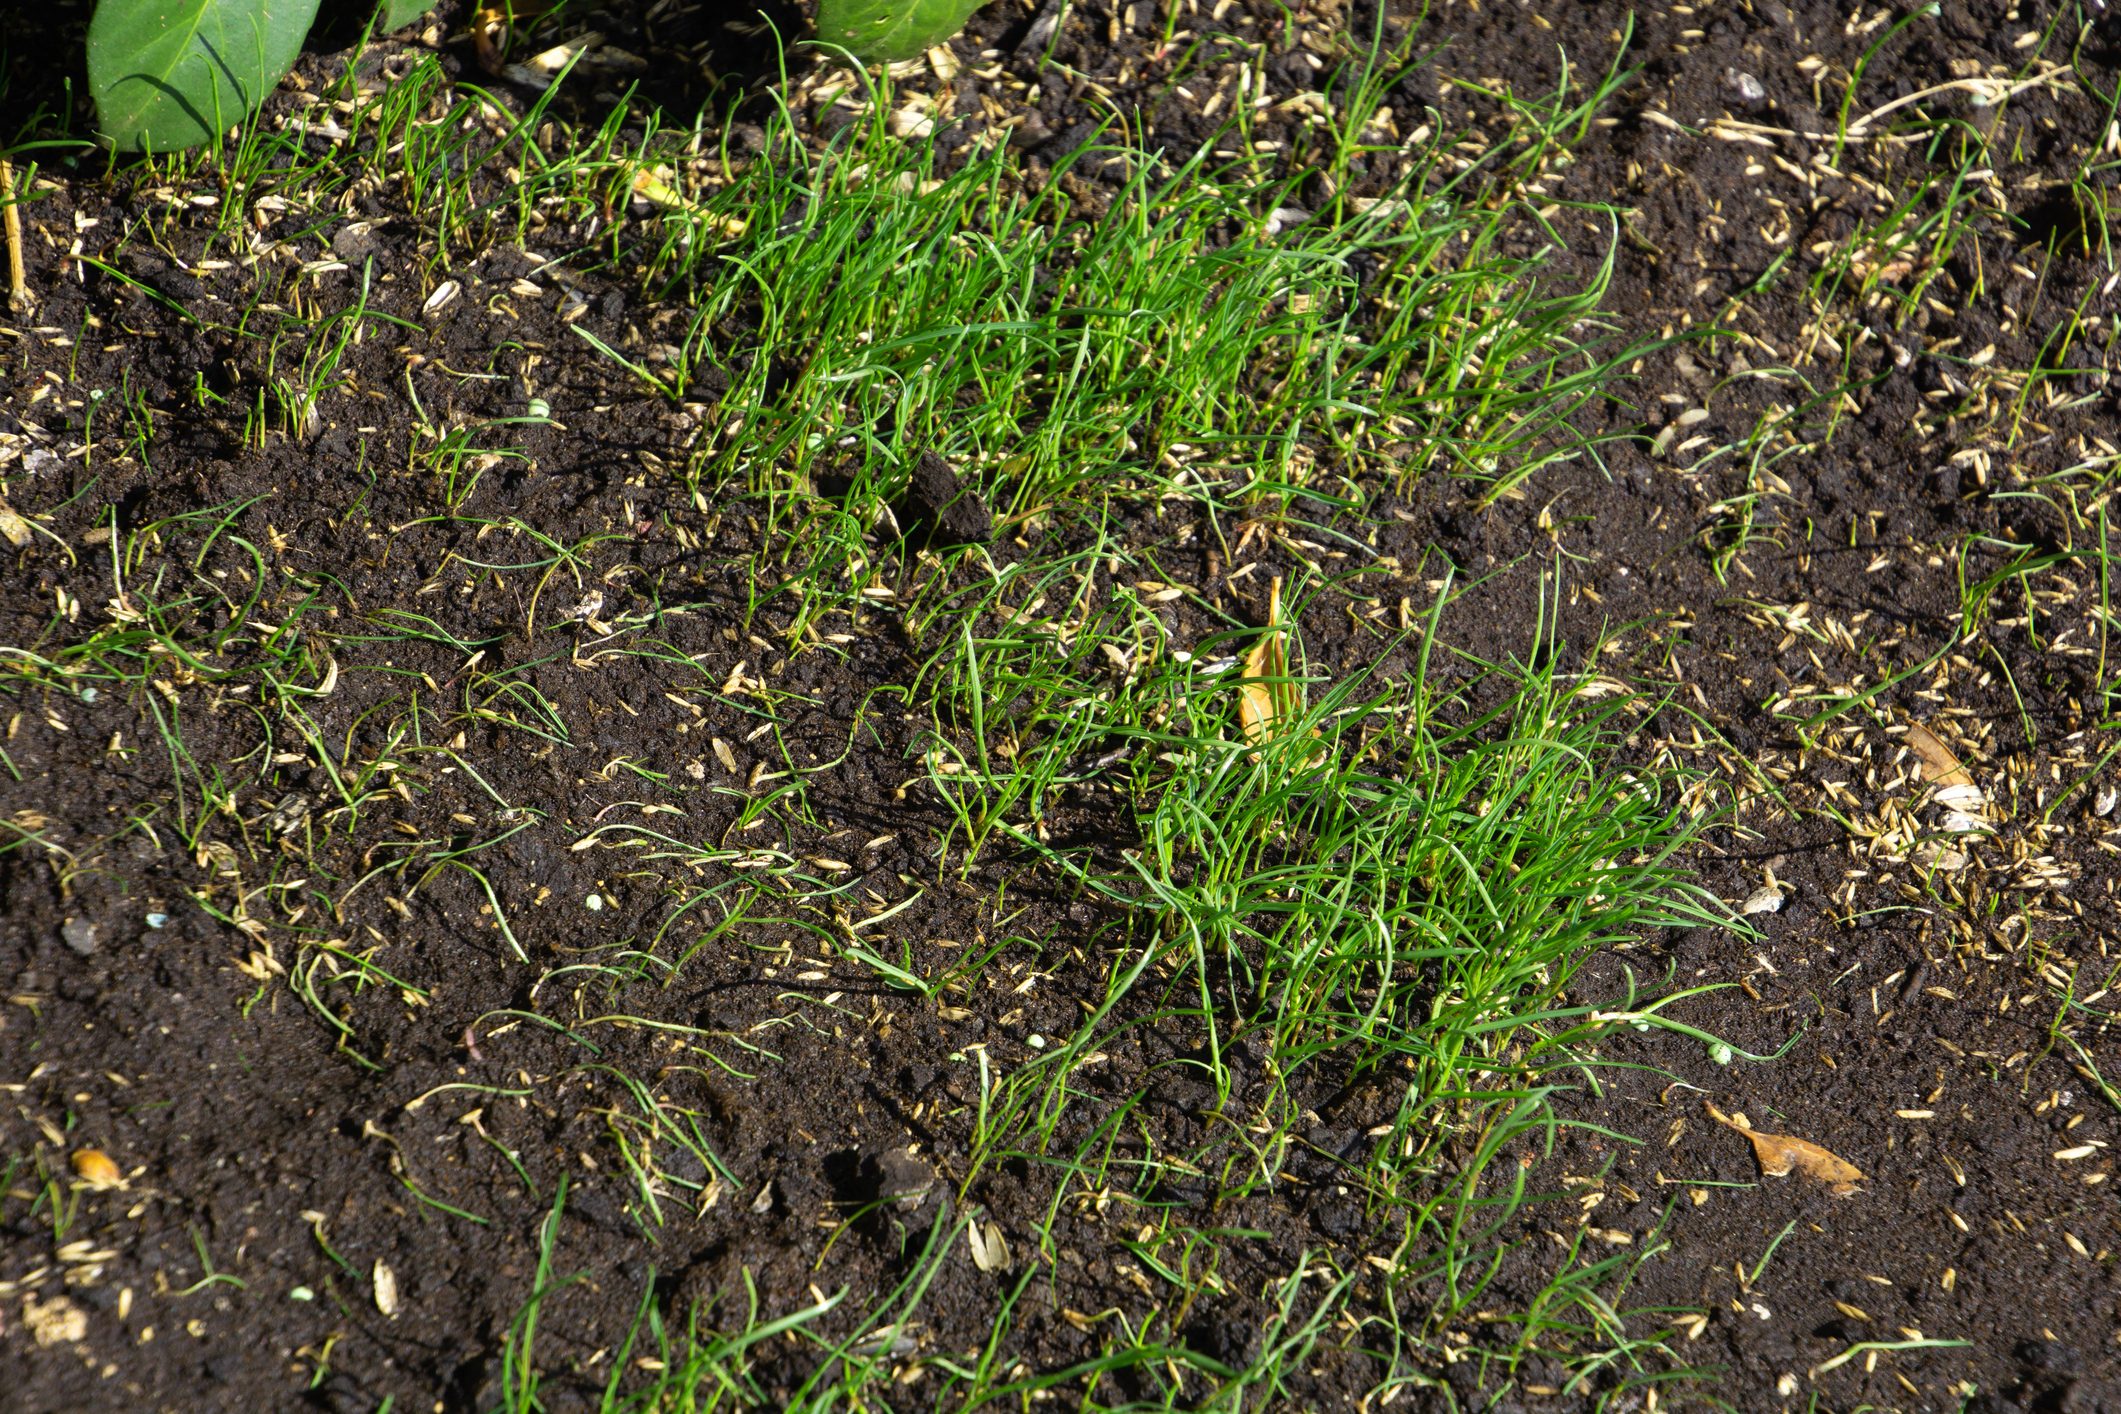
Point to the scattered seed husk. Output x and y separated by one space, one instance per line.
97 1169
1782 1154
386 1282
990 1251
13 526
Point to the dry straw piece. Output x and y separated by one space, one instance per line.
18 298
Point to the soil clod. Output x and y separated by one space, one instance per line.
943 507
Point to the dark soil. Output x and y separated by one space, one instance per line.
1922 1010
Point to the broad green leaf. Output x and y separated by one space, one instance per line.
886 31
399 13
169 74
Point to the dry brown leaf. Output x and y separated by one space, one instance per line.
489 39
1266 695
1939 766
493 29
1784 1154
1953 784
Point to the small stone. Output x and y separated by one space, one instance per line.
1763 900
903 1177
355 240
1030 132
80 936
1747 88
1283 218
914 120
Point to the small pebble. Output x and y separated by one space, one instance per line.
903 1176
80 935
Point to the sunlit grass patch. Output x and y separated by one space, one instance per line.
1395 885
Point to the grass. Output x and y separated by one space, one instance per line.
1396 886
